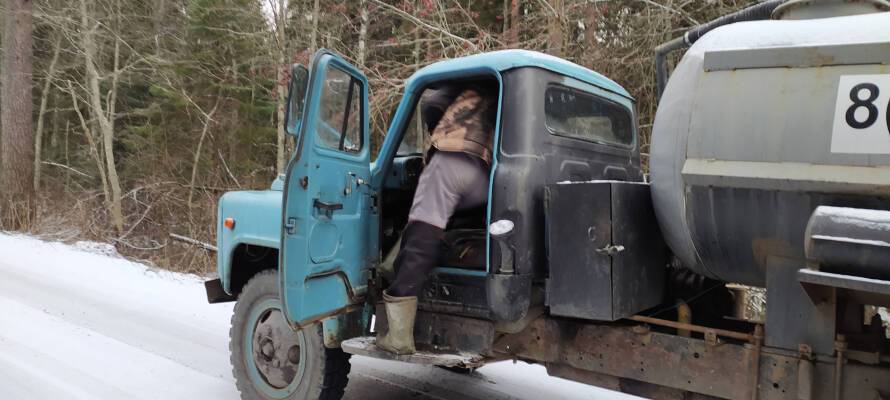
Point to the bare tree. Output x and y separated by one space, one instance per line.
207 117
280 17
128 112
16 145
159 10
316 14
513 31
555 34
91 142
103 114
362 33
44 98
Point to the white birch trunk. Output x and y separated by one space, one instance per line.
280 26
362 32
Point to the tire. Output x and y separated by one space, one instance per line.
310 372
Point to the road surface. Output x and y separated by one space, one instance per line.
79 325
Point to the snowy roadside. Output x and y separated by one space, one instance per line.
79 323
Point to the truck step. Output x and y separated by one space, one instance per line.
366 346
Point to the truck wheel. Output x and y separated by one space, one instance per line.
270 360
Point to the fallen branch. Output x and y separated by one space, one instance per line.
68 168
193 242
133 246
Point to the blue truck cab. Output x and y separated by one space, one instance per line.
308 258
565 265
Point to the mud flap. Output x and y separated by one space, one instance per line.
216 293
509 296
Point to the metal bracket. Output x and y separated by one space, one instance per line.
818 286
290 227
610 250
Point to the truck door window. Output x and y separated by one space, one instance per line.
581 115
340 123
413 142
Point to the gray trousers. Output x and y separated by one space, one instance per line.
450 182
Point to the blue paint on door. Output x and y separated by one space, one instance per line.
324 255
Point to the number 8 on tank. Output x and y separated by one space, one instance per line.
862 115
868 103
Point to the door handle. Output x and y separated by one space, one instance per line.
327 206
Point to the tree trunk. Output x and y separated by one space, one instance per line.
420 133
505 27
106 123
91 142
67 160
17 142
362 32
54 130
555 29
208 119
513 37
160 11
280 26
44 98
316 14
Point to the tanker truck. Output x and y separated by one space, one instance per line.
751 262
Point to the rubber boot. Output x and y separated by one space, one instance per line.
400 314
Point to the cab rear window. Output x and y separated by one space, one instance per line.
581 115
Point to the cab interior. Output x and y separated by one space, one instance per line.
464 246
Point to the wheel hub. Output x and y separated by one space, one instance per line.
276 349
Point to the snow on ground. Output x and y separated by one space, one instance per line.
76 322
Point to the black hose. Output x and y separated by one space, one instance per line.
756 12
661 52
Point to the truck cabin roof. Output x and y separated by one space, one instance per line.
504 60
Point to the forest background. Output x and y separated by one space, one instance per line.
125 120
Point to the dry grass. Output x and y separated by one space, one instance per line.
152 212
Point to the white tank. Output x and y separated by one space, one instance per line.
763 121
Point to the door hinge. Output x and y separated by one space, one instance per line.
290 227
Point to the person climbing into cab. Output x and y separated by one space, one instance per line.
462 122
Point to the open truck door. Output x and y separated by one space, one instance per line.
326 203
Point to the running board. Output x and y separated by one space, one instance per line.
365 346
